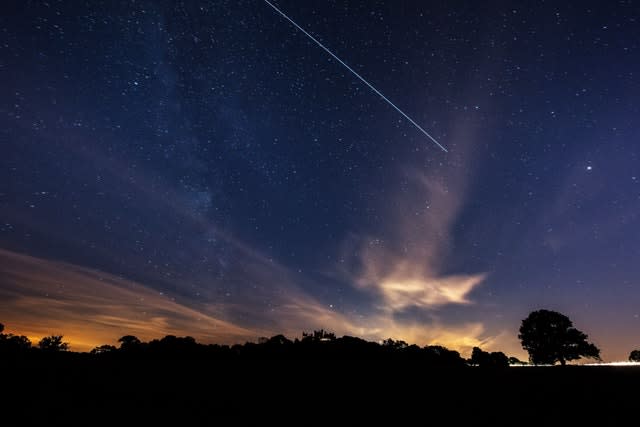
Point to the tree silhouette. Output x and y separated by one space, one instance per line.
478 357
53 343
13 344
484 359
17 342
320 335
395 345
550 337
634 356
129 343
278 340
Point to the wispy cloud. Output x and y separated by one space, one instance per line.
404 268
404 291
460 337
404 265
42 297
401 269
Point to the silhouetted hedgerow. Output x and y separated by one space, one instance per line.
548 336
317 345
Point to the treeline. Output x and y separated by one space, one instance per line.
318 344
548 336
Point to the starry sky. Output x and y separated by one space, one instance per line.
203 168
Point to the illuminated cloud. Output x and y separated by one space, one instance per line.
403 269
252 295
41 297
459 337
403 264
255 296
403 291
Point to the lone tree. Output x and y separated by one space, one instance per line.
634 356
550 337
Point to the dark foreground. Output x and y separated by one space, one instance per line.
86 391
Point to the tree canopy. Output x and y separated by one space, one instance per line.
129 343
549 337
484 359
53 343
13 344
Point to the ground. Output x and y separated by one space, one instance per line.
75 391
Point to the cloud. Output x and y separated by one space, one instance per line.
403 291
401 267
404 268
460 337
41 297
404 265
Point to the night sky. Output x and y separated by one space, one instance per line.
205 169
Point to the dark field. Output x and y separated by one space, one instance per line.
84 391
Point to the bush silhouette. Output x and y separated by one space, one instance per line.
104 349
634 356
516 361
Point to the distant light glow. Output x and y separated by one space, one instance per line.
619 363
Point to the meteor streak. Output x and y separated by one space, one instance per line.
357 75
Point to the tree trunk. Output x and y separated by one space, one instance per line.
562 361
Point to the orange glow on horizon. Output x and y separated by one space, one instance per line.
92 308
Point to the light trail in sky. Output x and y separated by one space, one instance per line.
357 75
